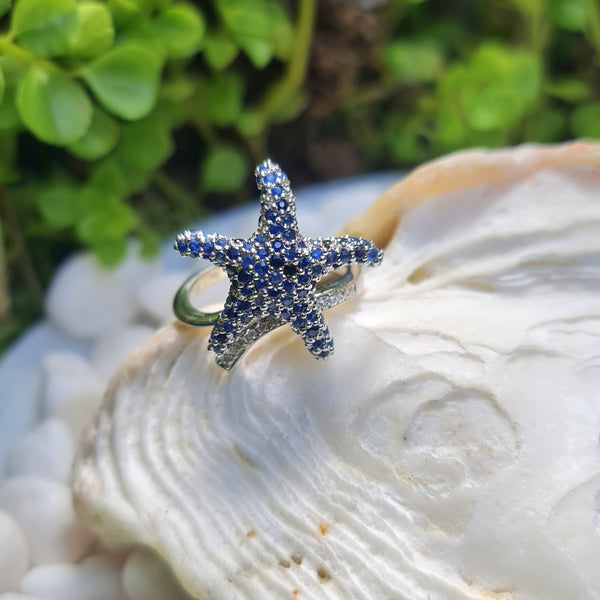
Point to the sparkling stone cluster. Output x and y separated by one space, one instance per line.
274 274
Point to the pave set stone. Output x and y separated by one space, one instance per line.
275 272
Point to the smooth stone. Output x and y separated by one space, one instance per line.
47 451
44 510
110 350
70 389
147 577
95 578
86 300
14 553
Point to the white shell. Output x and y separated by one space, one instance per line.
447 451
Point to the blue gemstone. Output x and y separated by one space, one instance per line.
287 219
318 344
273 293
289 235
243 305
260 284
260 239
289 286
247 246
245 316
262 252
247 261
281 174
324 353
195 246
298 308
229 313
372 254
332 258
228 326
360 253
313 316
290 270
182 246
290 253
208 247
316 254
285 314
345 256
300 323
263 168
246 291
312 332
277 245
220 258
301 244
287 301
233 253
276 261
275 278
261 268
317 270
282 205
221 338
259 300
277 191
257 312
221 242
276 230
270 215
304 262
245 276
270 178
302 293
303 279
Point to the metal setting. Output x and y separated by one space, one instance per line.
274 276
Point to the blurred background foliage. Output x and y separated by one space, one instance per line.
133 118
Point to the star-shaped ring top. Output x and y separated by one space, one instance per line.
274 274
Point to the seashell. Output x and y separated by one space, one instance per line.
448 450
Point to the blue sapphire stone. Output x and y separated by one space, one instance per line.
332 258
247 246
243 305
277 261
277 245
345 256
262 252
275 278
302 293
312 332
220 257
282 205
287 219
285 314
233 253
208 247
316 254
298 309
195 246
245 276
246 291
317 270
287 301
276 230
300 323
263 169
289 286
260 239
260 268
290 270
318 344
259 300
289 235
281 174
228 326
303 279
221 338
182 246
229 313
372 254
247 261
273 293
360 253
270 215
313 316
304 262
257 311
260 284
277 191
270 178
290 253
221 242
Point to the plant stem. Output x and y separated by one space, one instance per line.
594 24
9 48
183 202
295 71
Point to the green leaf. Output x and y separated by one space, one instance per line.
179 29
296 102
221 98
2 85
492 108
145 144
44 26
104 216
12 72
109 177
224 170
259 50
585 121
54 108
219 51
545 126
569 89
125 80
149 243
5 6
125 12
95 32
59 205
110 251
100 138
250 123
571 15
410 62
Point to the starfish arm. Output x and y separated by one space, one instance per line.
228 326
312 329
331 253
218 249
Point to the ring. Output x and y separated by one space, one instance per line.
277 276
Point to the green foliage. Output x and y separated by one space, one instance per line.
224 169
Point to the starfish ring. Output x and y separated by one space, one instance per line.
277 276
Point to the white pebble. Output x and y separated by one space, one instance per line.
155 296
147 577
112 348
46 451
95 578
44 510
14 553
86 300
70 389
